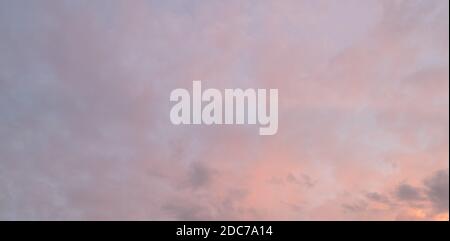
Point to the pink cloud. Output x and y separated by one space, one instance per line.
84 103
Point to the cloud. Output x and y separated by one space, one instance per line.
436 188
406 192
356 207
425 202
199 175
85 133
377 197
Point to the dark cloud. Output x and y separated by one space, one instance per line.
431 198
378 197
199 175
406 192
436 189
304 180
356 207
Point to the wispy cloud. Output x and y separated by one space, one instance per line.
84 109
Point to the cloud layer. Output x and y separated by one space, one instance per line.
84 110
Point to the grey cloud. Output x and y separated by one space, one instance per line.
432 196
199 175
303 179
437 189
356 207
192 205
186 211
378 197
406 192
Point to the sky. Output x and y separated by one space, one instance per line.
85 132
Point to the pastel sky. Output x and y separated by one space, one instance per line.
363 131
